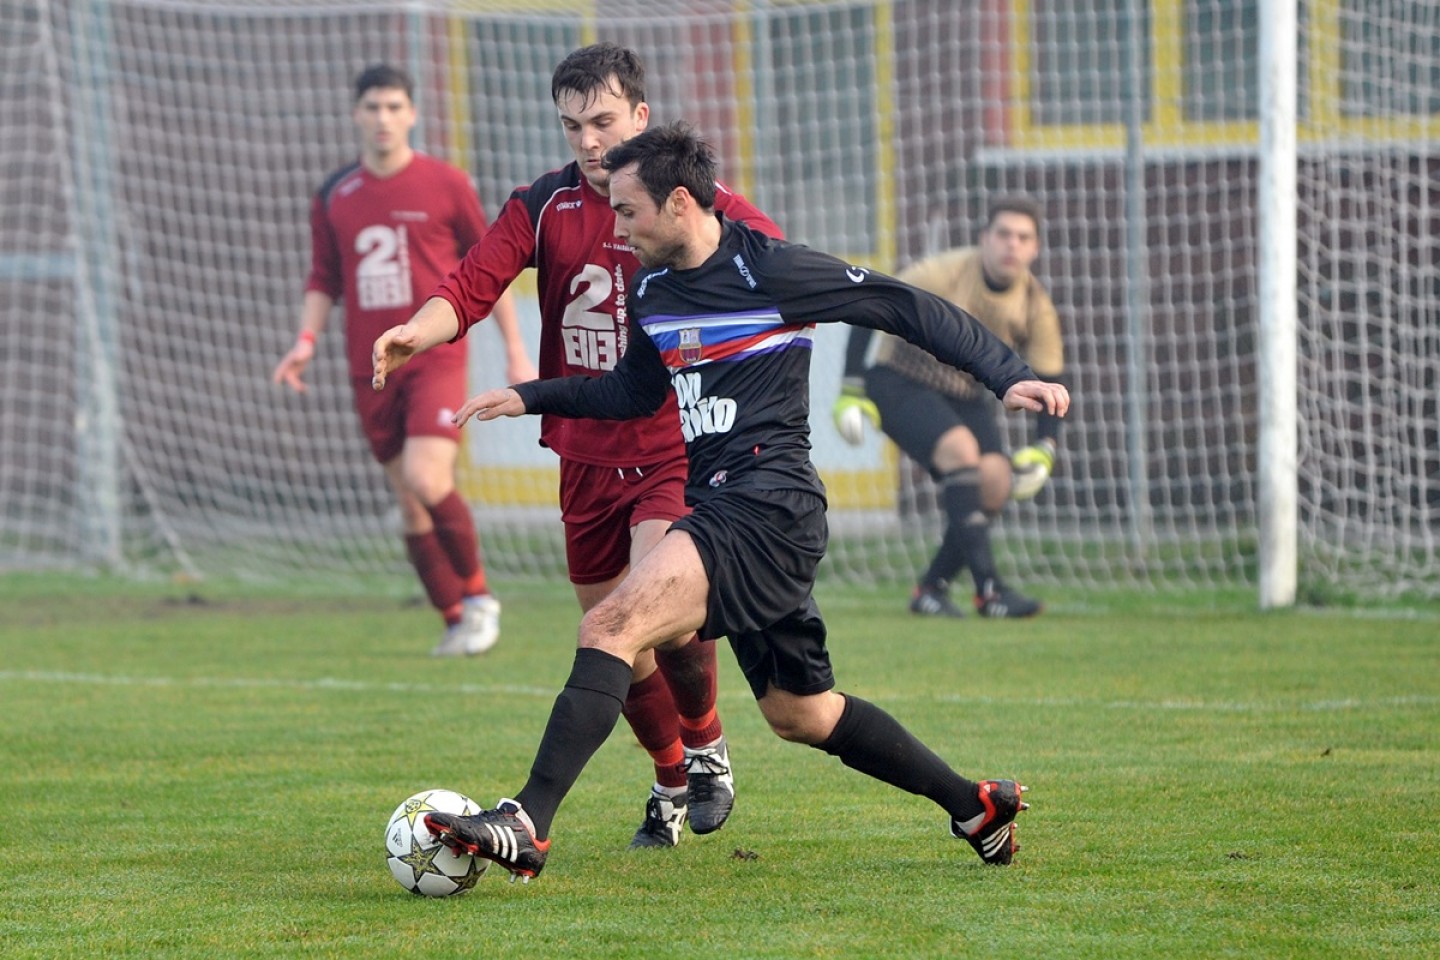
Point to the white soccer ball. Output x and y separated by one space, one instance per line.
417 860
851 425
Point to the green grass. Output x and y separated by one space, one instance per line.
207 771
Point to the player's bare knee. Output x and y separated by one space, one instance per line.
796 719
609 627
427 488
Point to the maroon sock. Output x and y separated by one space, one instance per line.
650 712
455 529
436 575
691 674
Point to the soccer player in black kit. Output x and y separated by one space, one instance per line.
726 317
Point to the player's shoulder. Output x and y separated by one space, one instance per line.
435 167
335 178
941 269
1038 296
744 233
552 184
727 199
737 207
559 186
956 258
765 261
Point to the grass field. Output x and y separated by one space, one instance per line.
207 772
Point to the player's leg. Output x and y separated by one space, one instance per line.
382 419
596 507
792 654
442 587
969 512
649 709
662 598
689 666
996 479
432 447
925 425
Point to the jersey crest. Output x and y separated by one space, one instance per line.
691 349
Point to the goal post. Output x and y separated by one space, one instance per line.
1276 197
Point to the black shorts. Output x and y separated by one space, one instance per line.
760 549
916 417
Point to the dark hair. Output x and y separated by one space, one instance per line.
382 76
597 68
667 157
1016 203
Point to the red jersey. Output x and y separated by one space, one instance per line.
381 244
564 229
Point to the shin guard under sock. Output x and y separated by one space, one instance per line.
650 711
584 714
455 528
690 672
870 740
442 586
960 497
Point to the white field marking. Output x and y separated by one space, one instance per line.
367 686
1207 706
320 683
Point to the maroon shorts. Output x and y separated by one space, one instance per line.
601 504
416 402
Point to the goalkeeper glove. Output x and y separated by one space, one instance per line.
852 408
1032 467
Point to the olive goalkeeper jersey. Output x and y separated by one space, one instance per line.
733 337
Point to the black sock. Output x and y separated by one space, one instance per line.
584 714
870 740
960 496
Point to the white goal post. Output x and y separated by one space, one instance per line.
1277 499
1250 304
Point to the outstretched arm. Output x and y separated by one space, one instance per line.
433 324
635 387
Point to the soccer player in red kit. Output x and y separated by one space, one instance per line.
621 483
384 231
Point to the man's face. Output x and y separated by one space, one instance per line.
655 233
384 118
594 123
1009 246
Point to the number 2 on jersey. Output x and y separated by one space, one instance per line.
589 334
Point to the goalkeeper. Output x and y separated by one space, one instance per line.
945 421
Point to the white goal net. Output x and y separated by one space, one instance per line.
159 157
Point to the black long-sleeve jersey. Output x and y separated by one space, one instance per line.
734 337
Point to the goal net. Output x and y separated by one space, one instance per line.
160 155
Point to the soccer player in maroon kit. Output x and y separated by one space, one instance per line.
621 483
384 230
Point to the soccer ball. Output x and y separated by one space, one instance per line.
417 860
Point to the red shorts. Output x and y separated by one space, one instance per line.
418 401
601 504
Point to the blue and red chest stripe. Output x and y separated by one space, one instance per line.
688 341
